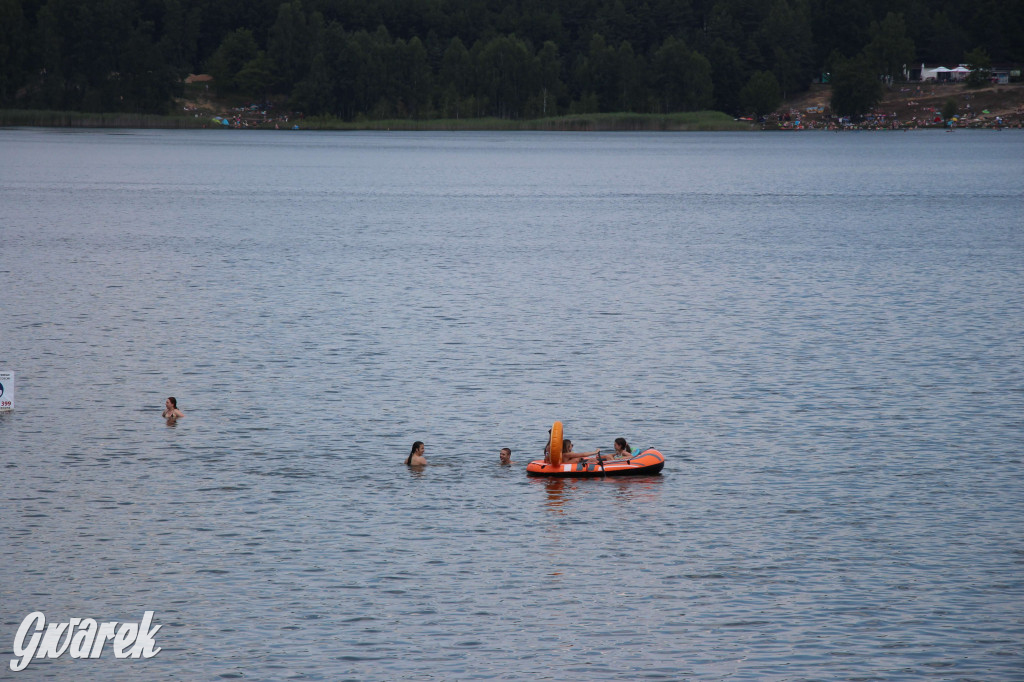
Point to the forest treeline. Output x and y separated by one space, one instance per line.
472 58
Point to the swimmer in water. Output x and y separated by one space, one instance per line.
171 411
505 456
416 458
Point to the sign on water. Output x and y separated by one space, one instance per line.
6 390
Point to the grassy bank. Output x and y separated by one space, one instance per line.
700 120
692 121
75 119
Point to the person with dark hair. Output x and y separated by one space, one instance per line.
171 411
505 456
416 458
622 449
569 456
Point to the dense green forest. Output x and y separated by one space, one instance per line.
470 58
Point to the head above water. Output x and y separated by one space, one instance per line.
622 445
173 401
505 455
417 449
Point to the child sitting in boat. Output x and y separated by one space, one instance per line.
622 451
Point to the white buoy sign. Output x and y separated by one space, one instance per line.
6 390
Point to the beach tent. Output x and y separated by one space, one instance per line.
939 73
960 72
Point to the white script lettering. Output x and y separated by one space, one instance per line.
82 638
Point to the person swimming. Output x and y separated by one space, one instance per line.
416 458
171 410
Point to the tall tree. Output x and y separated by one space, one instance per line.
762 94
289 46
236 50
785 39
507 75
631 74
727 74
683 77
890 50
412 73
13 50
455 80
597 73
981 67
948 41
552 88
179 41
855 87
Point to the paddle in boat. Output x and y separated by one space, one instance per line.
649 461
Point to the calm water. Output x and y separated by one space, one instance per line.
824 333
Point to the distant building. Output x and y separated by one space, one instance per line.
938 74
1004 73
1001 73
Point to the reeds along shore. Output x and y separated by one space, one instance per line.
692 121
702 120
74 119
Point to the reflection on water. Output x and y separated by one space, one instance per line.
555 489
827 354
630 493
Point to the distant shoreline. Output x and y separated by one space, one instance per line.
682 122
700 121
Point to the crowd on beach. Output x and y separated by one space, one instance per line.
258 116
261 116
913 115
880 120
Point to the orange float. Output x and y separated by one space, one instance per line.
555 445
649 461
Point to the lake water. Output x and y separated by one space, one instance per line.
824 333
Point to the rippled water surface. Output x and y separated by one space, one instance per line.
822 332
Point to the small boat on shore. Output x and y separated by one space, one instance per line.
649 461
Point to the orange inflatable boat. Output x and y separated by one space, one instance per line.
649 461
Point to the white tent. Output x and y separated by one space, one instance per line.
939 73
960 73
